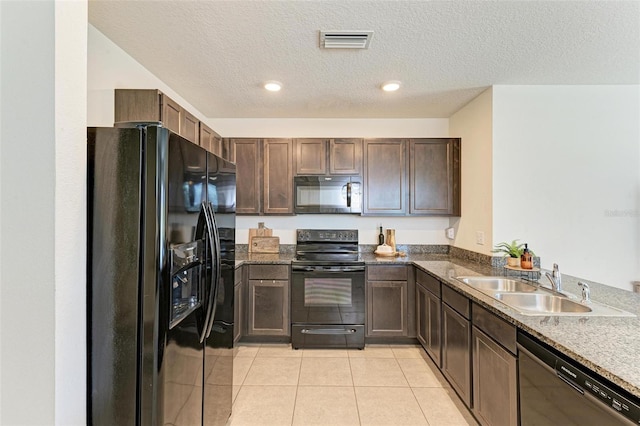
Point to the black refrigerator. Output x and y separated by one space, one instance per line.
161 260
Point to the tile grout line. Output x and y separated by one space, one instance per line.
295 398
353 389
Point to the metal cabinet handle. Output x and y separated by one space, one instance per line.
327 331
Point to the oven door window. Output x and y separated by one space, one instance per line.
326 291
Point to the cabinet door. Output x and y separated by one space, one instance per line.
228 150
137 105
456 352
171 114
278 176
434 177
190 127
387 308
248 171
237 312
210 140
429 322
345 156
384 177
268 308
311 156
495 397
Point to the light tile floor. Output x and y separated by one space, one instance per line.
380 385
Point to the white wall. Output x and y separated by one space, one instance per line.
566 176
409 230
42 280
70 210
331 127
473 123
109 67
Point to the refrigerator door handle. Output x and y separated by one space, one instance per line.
210 293
218 265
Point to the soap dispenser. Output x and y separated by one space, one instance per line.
526 260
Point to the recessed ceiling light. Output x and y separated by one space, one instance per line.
273 86
391 86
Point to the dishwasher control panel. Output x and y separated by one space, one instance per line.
597 389
584 381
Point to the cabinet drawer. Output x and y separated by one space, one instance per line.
268 272
428 282
496 328
457 301
386 273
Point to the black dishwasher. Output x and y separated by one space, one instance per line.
555 390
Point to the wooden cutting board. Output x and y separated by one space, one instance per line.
258 232
264 244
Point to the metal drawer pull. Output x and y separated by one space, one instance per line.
327 331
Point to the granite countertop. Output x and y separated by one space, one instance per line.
609 346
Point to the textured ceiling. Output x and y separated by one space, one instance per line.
216 54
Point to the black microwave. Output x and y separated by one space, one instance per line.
328 194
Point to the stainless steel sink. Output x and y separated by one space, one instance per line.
541 303
531 299
494 284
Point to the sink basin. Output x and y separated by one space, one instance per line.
497 284
532 303
531 299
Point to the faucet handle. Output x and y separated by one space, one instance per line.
586 292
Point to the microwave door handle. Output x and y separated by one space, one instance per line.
349 194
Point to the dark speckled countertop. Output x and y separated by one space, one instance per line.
609 346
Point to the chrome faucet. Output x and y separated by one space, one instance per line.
586 292
556 278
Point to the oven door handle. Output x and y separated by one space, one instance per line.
334 271
327 331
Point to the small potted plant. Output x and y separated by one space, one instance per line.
512 251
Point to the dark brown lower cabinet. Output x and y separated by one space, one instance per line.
387 308
456 352
428 326
495 393
238 310
387 295
268 304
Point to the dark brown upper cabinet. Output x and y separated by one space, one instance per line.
345 156
210 140
248 175
152 105
278 176
434 177
190 127
311 156
317 156
385 187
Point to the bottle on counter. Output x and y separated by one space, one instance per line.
380 237
526 260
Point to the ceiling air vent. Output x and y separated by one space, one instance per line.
345 39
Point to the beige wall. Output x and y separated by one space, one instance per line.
473 124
